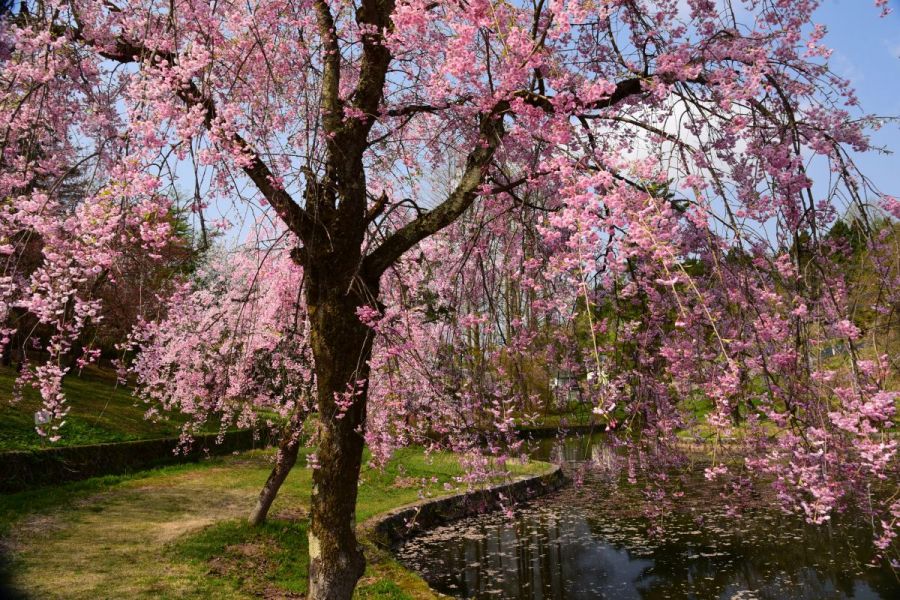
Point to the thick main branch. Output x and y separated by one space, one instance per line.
477 163
289 211
490 134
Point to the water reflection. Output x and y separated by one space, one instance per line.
583 543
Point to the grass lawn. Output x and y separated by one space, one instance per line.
101 412
179 531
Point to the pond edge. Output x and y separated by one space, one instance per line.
389 529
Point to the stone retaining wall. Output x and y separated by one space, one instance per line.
403 523
21 470
549 432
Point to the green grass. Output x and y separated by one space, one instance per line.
252 558
180 531
15 507
272 560
101 412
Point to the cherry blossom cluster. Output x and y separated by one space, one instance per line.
233 349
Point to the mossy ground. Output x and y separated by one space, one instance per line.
179 532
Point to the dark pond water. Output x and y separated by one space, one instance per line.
596 540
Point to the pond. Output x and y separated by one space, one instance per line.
600 539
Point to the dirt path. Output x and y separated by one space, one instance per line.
114 545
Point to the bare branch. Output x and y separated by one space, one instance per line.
413 109
377 208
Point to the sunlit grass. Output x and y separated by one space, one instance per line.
180 531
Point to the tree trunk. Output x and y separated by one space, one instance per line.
342 347
287 457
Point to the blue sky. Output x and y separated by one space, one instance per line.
867 51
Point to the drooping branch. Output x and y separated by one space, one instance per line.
289 211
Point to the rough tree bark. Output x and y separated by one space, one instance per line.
342 347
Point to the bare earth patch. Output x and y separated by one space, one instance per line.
291 513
